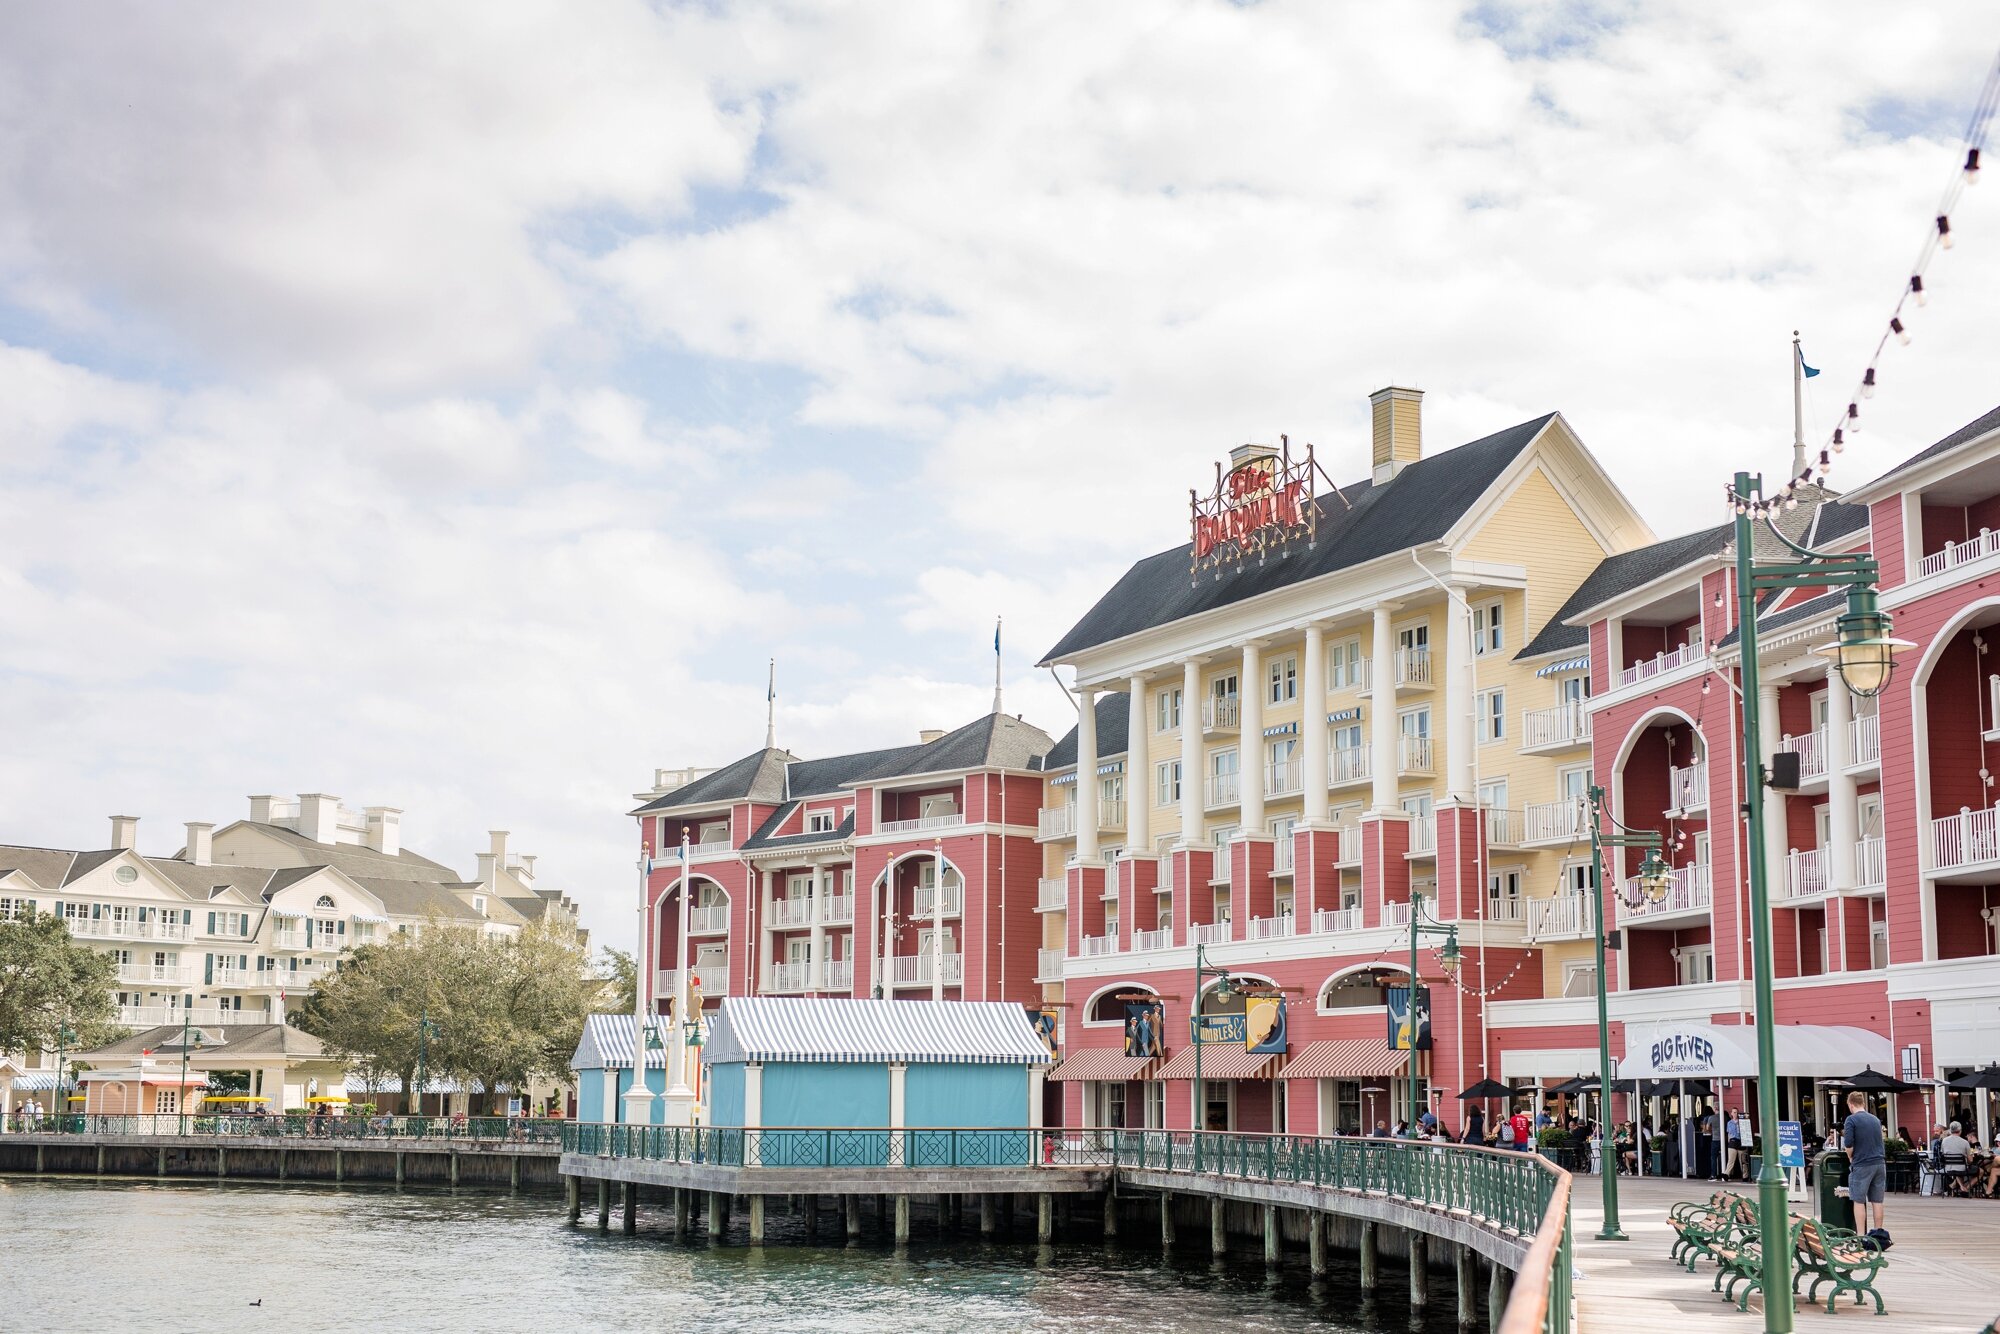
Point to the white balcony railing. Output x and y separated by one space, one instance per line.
911 969
1271 928
1055 822
1687 789
1051 894
1805 873
1413 666
153 1016
839 908
228 975
1210 933
714 979
1506 908
98 928
1283 855
840 974
168 974
1331 921
1504 828
1222 789
1871 863
791 976
1111 813
1091 947
1281 778
711 921
1660 663
1161 939
1346 764
1350 845
1048 965
1414 755
1982 544
1691 890
1566 916
1564 725
1396 914
1555 821
288 940
788 912
1424 834
712 848
1966 839
155 929
922 822
1220 715
1810 747
1864 739
925 902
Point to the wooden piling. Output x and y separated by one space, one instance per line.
1110 1212
718 1216
756 1220
1420 1277
630 1221
1316 1242
1045 1218
1274 1241
852 1205
1166 1221
902 1220
1468 1287
1218 1226
680 1214
572 1190
1368 1256
987 1221
604 1204
1499 1282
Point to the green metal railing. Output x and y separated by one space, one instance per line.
835 1147
194 1125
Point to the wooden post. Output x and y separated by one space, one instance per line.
40 1165
631 1219
603 1204
1367 1255
402 1170
1218 1226
987 1222
1166 1221
902 1220
572 1190
1316 1242
718 1216
812 1216
100 1160
1420 1278
1468 1287
339 1165
454 1168
1274 1247
221 1161
1110 1212
1499 1282
160 1167
514 1174
852 1204
756 1220
1045 1218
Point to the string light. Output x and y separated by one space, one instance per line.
1917 289
1868 383
1902 334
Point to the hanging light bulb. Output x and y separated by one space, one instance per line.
1944 232
1972 166
1868 383
1853 420
1839 441
1791 502
1917 288
1896 328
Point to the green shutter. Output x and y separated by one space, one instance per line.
244 922
211 924
208 968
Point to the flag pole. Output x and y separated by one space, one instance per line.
771 709
1798 407
996 666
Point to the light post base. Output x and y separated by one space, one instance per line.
1611 1234
680 1106
639 1106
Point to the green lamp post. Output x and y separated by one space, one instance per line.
1864 654
188 1038
426 1030
1222 978
1448 960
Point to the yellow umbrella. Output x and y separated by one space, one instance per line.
328 1097
236 1097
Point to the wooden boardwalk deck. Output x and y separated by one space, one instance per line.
1943 1276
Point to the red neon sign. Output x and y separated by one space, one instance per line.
1263 503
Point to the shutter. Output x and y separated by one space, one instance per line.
93 911
309 932
341 926
211 924
59 908
244 923
187 917
208 969
243 962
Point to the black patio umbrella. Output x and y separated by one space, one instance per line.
1989 1078
1872 1080
1486 1088
1580 1084
1668 1088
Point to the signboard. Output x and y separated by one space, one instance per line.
1044 1024
1145 1028
1219 1029
1409 1024
1674 1055
1261 504
1791 1145
1264 1024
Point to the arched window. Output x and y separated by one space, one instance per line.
325 901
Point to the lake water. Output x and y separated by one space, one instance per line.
84 1255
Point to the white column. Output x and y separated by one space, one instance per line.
1776 833
1037 1075
1459 734
1382 724
1250 742
767 949
1136 767
1192 703
897 1073
1312 730
818 946
1086 774
753 1094
1843 814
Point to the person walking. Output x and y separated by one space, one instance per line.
1704 1144
1739 1146
1868 1170
1524 1131
1475 1125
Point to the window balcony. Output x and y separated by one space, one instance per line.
1346 765
713 976
840 974
155 929
1349 853
223 975
1051 894
1333 921
1560 728
1162 939
1864 741
924 904
1282 779
1221 790
1983 544
1221 715
714 848
1504 828
1056 822
1687 789
100 928
1506 908
157 974
921 823
288 940
1564 917
1805 874
1092 947
1048 965
918 969
1414 757
710 921
1871 864
1548 822
1271 928
1210 933
839 909
785 912
790 977
1283 854
1660 664
1691 891
1396 914
1810 747
1413 668
1424 835
1111 814
1966 840
154 1016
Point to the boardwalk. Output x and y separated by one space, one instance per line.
1944 1275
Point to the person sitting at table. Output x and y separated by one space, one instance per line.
1955 1145
1626 1147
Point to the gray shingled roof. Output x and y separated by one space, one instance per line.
758 776
86 862
764 841
199 880
997 741
1808 610
1112 730
356 860
234 1039
815 778
1418 505
47 867
1619 574
419 898
1965 434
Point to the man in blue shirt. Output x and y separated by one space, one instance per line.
1868 1173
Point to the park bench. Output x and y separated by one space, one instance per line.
1726 1218
1837 1256
1691 1220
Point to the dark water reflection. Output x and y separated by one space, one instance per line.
77 1255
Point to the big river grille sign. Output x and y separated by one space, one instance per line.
1263 503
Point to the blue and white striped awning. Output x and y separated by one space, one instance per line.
1566 665
1281 729
371 917
1111 767
358 1086
1344 715
35 1083
606 1044
1061 779
850 1032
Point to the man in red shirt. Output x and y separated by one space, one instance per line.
1523 1129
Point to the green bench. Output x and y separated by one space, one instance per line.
1699 1228
1837 1256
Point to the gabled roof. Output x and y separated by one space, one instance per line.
841 1031
819 778
197 881
47 867
1417 506
758 776
1964 435
354 859
606 1044
1113 719
997 741
764 840
218 1042
420 899
1618 575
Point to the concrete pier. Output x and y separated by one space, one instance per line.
1274 1244
1368 1256
1420 1275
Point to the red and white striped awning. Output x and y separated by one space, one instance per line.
1221 1063
1347 1058
1103 1063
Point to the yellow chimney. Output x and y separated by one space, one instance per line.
1398 416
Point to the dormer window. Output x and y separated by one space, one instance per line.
479 904
217 891
820 822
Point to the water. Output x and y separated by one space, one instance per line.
173 1257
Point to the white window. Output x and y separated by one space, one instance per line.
1419 806
1492 715
1110 788
1416 724
1282 827
1503 894
1283 679
1343 665
1220 837
76 912
232 924
1167 709
1414 641
1283 770
1167 783
1493 794
1222 905
1345 737
941 804
1576 877
1696 965
820 822
1156 1104
1579 979
166 1101
1222 763
1869 813
1574 784
1487 636
1878 944
12 910
1573 689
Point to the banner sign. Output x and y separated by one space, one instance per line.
1791 1145
1264 1024
1409 1023
1220 1029
1675 1054
1044 1022
1263 503
1145 1028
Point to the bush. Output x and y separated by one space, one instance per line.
1658 1144
1554 1137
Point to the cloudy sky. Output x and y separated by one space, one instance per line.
453 406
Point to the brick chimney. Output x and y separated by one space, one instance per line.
385 829
200 843
125 831
1398 419
319 817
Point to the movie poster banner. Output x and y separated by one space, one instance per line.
1145 1026
1409 1024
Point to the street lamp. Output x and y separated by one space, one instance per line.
1448 960
1222 979
188 1038
1654 882
1864 655
426 1030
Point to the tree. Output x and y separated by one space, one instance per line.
49 983
620 972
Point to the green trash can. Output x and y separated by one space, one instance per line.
1834 1210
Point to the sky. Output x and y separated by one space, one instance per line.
455 406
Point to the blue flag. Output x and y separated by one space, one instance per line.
996 636
1809 370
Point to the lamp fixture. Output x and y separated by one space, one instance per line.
1865 651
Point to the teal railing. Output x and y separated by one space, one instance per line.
194 1125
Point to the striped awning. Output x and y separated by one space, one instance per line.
371 917
842 1031
606 1044
1346 1058
1105 1063
1566 665
35 1083
1219 1062
1281 729
1344 715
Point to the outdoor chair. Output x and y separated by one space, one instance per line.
1953 1172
